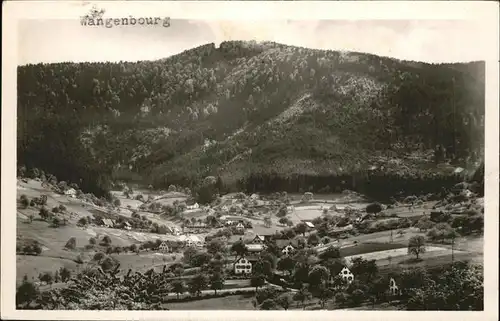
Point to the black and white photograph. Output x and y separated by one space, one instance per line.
294 163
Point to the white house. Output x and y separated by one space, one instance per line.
70 192
254 197
346 275
240 226
393 287
193 240
290 208
242 266
255 247
128 226
225 208
309 224
195 206
287 250
107 222
308 196
163 247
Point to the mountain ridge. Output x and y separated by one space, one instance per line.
168 120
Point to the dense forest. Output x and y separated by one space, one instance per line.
259 115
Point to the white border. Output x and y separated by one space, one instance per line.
486 12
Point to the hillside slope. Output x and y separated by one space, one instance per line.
252 113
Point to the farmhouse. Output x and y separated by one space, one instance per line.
70 192
287 250
191 240
346 275
225 208
258 239
240 226
127 226
290 208
309 224
242 266
287 246
163 247
195 206
308 196
255 247
393 287
107 222
254 197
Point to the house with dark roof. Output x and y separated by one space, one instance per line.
287 247
259 239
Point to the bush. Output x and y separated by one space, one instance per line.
44 213
374 208
56 222
106 241
71 244
98 256
26 293
24 201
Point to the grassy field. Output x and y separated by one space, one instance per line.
32 266
233 302
403 251
366 248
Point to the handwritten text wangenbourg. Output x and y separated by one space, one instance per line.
89 21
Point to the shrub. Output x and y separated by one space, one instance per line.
71 244
374 208
98 256
26 293
44 213
24 201
106 241
56 222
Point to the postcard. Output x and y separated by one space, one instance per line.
249 160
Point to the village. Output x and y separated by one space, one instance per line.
250 240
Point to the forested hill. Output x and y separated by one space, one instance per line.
257 114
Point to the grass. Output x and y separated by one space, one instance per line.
233 302
402 251
32 266
367 248
145 261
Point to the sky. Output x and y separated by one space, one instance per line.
57 40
